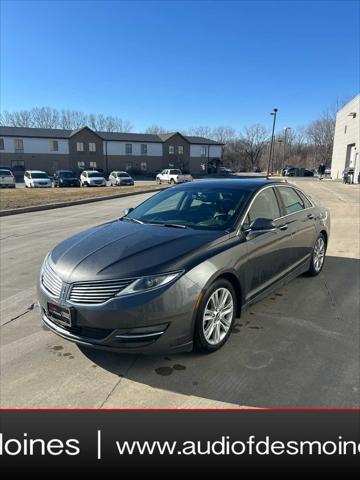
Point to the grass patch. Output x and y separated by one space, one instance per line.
25 197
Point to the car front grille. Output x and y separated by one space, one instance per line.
96 292
51 282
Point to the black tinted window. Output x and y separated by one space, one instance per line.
292 201
265 206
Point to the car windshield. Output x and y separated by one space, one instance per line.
39 175
94 174
202 207
6 172
67 175
122 174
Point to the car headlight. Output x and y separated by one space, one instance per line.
151 282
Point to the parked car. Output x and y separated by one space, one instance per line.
92 178
119 178
7 178
172 176
66 178
176 271
257 170
37 179
298 172
225 171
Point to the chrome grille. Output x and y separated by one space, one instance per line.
51 282
97 292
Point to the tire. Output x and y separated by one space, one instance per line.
317 256
172 182
205 341
158 181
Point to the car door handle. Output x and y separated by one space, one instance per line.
283 227
310 216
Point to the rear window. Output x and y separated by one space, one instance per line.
94 174
39 175
291 199
6 173
175 172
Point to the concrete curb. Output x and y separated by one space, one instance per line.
51 206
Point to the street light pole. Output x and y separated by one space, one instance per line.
272 141
285 140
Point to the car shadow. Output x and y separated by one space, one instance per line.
299 347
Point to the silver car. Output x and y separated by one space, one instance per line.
175 272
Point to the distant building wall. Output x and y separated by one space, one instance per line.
347 139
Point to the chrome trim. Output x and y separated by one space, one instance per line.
94 293
140 335
50 281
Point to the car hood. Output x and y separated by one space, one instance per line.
122 249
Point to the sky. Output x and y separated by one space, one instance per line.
181 64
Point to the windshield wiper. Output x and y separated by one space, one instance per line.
173 225
130 219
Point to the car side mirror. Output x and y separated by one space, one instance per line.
127 211
262 225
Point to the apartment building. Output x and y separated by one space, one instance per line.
53 149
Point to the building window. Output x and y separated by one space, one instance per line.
204 150
92 164
143 166
128 149
17 165
54 146
2 147
19 145
81 165
80 146
92 147
180 150
171 149
143 149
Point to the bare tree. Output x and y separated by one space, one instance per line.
321 135
223 134
254 140
201 131
155 129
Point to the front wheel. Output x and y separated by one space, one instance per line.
158 181
318 256
215 317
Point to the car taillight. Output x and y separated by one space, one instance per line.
178 178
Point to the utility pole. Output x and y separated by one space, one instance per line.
274 112
285 140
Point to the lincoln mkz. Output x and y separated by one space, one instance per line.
174 273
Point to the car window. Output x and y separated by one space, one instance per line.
265 205
175 172
201 207
292 201
306 201
123 175
5 172
170 203
40 175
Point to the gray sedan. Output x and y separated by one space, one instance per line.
175 272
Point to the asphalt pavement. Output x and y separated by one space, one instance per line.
298 348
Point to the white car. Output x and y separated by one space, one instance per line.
37 179
119 178
92 178
7 179
172 175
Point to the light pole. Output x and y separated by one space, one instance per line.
285 140
272 140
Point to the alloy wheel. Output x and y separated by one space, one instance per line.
319 254
218 316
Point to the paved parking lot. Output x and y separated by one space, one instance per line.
298 348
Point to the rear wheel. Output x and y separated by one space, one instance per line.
172 181
215 317
318 256
158 181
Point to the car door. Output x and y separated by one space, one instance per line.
300 218
268 251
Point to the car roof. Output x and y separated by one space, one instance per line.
36 171
248 183
93 171
65 171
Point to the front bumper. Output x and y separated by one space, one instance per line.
151 323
